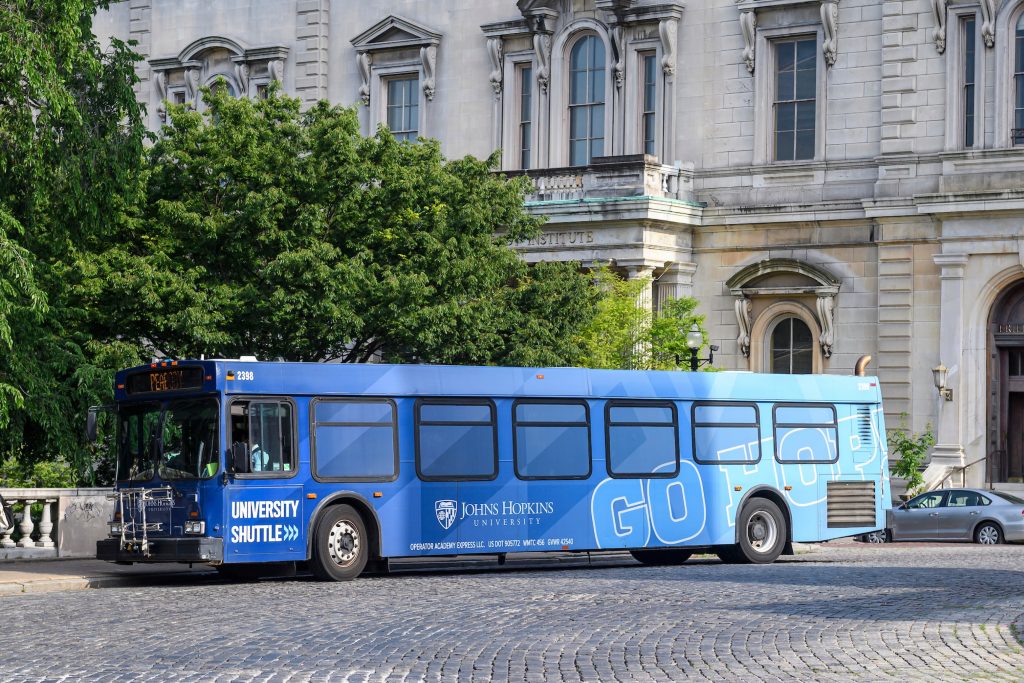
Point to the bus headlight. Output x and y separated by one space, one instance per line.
115 528
198 528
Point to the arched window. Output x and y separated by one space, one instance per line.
586 100
792 348
1018 84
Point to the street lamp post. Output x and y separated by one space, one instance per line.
694 340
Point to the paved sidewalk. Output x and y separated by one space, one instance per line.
42 576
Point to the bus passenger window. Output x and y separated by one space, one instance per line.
552 440
806 433
726 433
456 441
355 440
642 439
263 430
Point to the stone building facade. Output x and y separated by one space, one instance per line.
830 178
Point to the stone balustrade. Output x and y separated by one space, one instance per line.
635 175
68 524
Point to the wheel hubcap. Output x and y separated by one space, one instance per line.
762 532
343 543
988 536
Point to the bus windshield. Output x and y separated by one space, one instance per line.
178 437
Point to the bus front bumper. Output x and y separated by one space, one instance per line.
164 550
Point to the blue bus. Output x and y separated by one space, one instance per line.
237 462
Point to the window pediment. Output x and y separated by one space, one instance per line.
393 33
776 276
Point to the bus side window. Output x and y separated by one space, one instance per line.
726 433
641 439
261 437
806 433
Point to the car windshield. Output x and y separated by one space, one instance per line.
178 437
1007 497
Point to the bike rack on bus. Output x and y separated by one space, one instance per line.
135 531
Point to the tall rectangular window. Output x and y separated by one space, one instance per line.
525 115
650 93
642 439
796 82
456 440
552 439
404 108
1017 134
354 440
586 100
968 93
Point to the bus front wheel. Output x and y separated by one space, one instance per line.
762 534
341 548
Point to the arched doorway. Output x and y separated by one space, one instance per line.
1006 386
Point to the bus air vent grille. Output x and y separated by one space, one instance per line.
851 503
864 431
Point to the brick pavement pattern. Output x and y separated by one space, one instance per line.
845 612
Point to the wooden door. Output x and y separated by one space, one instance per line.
1015 436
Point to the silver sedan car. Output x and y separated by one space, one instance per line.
987 517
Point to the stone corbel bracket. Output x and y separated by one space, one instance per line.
742 308
428 56
939 32
988 22
494 51
542 21
826 318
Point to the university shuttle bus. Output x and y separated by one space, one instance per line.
232 463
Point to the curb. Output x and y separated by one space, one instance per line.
87 582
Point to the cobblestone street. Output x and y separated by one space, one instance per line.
849 611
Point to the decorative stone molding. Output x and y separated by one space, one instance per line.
988 22
494 50
363 61
542 50
828 9
939 32
428 56
748 26
742 307
830 22
390 36
667 30
213 57
826 318
618 57
751 282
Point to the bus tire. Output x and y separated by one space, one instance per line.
342 546
762 534
658 558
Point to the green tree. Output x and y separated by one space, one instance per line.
284 234
70 150
912 450
625 335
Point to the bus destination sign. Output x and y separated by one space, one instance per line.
165 379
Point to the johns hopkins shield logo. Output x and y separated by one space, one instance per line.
445 511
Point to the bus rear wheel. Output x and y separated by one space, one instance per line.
340 552
657 558
762 534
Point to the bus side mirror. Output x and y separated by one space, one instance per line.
90 426
239 457
91 419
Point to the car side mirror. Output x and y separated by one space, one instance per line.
239 458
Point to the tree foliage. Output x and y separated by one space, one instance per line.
624 334
284 234
70 149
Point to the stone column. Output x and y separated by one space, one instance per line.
676 282
949 450
642 272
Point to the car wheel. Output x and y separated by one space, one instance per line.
988 534
655 558
341 547
880 536
762 534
